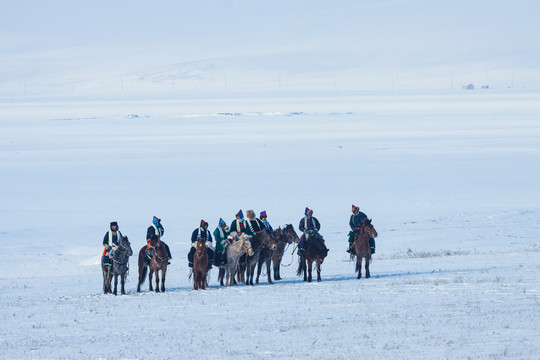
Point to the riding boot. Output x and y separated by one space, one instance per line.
372 245
351 249
190 256
169 256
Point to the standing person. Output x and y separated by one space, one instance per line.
254 225
355 222
201 232
157 229
266 224
110 242
309 226
238 226
221 233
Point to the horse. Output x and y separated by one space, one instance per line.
259 241
265 256
200 265
361 246
315 251
119 267
234 252
158 262
283 237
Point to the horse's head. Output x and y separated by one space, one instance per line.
246 245
154 240
201 245
268 240
369 228
290 234
126 245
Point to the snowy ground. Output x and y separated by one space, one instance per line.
450 180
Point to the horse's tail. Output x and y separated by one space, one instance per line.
300 270
143 274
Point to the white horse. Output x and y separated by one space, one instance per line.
234 252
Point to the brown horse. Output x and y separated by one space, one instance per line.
260 241
315 251
158 262
283 238
200 265
234 252
361 246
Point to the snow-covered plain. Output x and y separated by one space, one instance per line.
449 179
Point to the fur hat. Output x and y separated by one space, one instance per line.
250 212
263 215
355 209
114 223
240 214
156 221
222 222
306 211
203 223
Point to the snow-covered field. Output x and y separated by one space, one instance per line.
449 179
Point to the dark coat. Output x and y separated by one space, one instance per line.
267 225
204 233
312 224
356 220
238 226
254 226
114 238
152 231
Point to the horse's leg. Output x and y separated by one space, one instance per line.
304 266
268 262
157 280
252 272
104 279
318 272
123 282
221 274
259 268
150 276
367 264
203 279
163 273
359 266
310 269
277 267
115 284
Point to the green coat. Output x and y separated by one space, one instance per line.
220 237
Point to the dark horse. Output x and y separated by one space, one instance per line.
200 265
315 251
158 262
119 267
361 246
283 238
261 240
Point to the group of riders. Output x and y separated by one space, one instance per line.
225 235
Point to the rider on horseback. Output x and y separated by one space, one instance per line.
110 241
238 226
356 221
309 226
265 222
221 233
254 225
201 232
157 229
